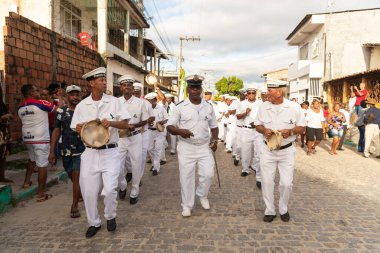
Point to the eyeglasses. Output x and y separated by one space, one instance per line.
248 93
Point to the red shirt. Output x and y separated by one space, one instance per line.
359 98
325 113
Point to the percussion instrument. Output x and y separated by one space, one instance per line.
94 134
124 132
160 128
151 79
274 142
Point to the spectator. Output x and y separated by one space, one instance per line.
34 117
359 122
72 145
325 115
360 94
5 116
372 121
351 106
335 121
346 125
314 126
305 107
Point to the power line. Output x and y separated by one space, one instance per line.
163 27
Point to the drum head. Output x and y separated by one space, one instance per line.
151 79
124 132
274 142
94 135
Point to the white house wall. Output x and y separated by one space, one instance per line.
375 58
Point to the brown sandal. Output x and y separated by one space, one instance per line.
44 198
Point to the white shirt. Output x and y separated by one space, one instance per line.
233 106
149 108
197 119
254 106
136 109
351 103
222 108
347 116
170 108
160 114
313 119
110 108
283 116
35 124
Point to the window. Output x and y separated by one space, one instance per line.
304 52
314 87
71 23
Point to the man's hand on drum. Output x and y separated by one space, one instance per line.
78 128
105 123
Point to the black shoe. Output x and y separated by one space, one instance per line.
133 201
122 194
233 156
162 162
155 173
128 177
149 161
285 217
341 149
91 231
236 162
172 153
111 225
258 184
151 168
140 184
244 174
269 218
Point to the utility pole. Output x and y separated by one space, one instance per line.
192 38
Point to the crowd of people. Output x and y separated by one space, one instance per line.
259 133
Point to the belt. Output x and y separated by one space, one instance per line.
249 127
107 146
152 128
133 133
283 147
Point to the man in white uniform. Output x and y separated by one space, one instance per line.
238 128
146 135
100 167
222 121
173 138
157 137
192 120
247 112
130 143
231 123
284 116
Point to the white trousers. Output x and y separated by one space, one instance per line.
155 148
164 146
99 168
269 162
222 131
131 148
230 137
173 143
237 143
249 151
189 156
371 134
146 136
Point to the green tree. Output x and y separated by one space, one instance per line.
230 85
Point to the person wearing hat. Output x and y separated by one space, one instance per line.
192 120
157 137
173 138
146 135
263 93
278 115
232 103
238 126
130 142
249 138
100 167
222 108
372 125
72 145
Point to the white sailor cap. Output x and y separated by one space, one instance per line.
251 87
93 74
151 95
126 79
242 91
276 84
227 96
138 86
233 98
208 91
194 80
71 88
263 90
169 95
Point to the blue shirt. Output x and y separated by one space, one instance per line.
376 113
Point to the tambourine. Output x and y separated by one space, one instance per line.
160 128
94 134
274 142
151 79
124 132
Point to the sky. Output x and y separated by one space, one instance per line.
245 38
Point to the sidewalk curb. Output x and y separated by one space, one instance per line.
14 199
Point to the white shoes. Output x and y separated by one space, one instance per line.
186 213
204 202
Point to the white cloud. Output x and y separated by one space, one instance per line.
245 38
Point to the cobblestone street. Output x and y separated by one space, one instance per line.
335 207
